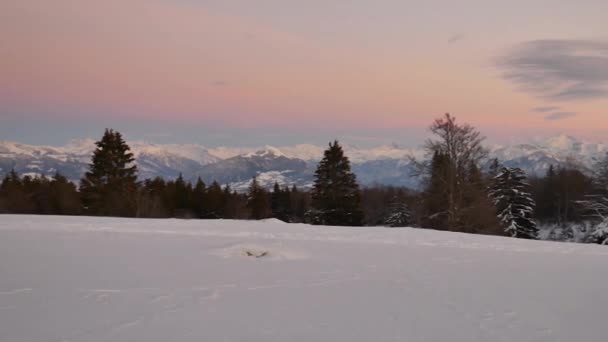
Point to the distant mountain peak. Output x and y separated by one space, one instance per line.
562 142
387 164
266 152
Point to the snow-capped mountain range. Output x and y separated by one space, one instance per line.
386 165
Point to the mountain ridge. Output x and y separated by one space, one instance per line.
385 164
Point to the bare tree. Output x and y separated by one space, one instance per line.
460 145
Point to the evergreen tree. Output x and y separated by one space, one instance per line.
515 206
197 204
435 204
336 199
558 193
257 201
64 198
275 200
183 198
214 201
110 186
231 203
572 186
279 203
548 197
14 197
299 203
399 215
153 201
38 193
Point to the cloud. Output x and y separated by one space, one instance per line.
559 115
559 70
553 113
455 38
545 109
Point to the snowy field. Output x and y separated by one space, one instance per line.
84 279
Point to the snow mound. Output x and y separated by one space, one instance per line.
273 221
265 252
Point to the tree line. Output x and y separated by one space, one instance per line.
463 191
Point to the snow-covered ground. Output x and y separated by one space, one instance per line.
84 279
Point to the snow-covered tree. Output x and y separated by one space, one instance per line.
597 207
515 206
600 174
399 215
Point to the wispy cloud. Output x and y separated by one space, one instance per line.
559 115
559 70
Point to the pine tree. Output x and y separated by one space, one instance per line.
197 205
14 196
64 198
514 204
214 202
435 203
183 198
547 208
110 186
280 203
336 199
37 192
399 215
231 203
275 201
153 200
257 201
299 203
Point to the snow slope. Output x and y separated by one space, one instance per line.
101 279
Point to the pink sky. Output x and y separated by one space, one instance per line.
366 65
